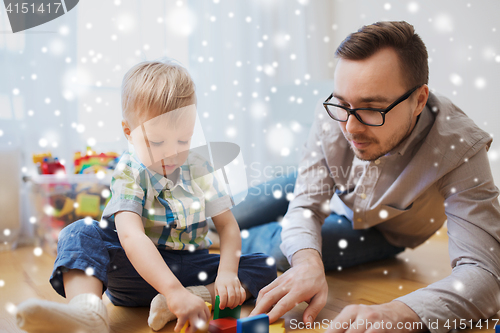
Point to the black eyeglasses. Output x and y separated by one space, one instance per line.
367 116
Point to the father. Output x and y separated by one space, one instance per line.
385 165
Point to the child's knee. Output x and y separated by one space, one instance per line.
79 226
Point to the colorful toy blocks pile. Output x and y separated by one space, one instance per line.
92 162
228 321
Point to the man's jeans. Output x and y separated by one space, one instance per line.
342 245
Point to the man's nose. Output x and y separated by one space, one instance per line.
353 125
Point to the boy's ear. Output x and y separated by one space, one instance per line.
126 130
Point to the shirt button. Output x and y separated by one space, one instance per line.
363 196
377 161
359 219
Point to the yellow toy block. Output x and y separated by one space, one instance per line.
278 326
184 328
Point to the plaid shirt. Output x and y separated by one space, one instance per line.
174 211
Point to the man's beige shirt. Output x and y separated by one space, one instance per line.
439 172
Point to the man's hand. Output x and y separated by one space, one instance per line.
187 306
388 317
229 289
305 281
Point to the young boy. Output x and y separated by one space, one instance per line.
151 246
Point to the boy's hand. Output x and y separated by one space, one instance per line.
187 306
229 289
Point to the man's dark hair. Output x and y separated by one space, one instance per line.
399 36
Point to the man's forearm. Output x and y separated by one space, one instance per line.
469 294
306 255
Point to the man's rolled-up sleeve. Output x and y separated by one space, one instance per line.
472 291
313 191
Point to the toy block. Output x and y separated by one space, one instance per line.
184 328
209 307
497 328
223 325
278 326
226 312
254 324
278 323
276 329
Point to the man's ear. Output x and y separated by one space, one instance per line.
127 130
422 96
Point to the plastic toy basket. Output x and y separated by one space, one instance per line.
59 200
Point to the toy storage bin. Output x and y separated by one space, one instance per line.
59 200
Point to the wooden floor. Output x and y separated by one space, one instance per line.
26 275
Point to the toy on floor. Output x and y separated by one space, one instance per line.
250 324
278 326
254 324
226 312
223 325
228 321
186 325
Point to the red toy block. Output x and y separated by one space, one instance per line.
223 325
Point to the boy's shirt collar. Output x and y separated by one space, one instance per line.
180 177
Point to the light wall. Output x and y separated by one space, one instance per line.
463 42
260 68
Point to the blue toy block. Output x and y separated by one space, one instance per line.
497 328
254 324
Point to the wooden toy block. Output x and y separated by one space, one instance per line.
275 329
278 326
209 306
254 324
184 328
278 323
223 325
226 312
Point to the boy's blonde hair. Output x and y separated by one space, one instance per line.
152 88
